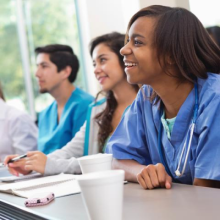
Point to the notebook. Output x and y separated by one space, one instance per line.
12 178
60 185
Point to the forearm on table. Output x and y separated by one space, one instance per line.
131 168
56 166
206 183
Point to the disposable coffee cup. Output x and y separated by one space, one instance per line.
95 163
102 194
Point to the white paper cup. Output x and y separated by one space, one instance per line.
96 162
102 194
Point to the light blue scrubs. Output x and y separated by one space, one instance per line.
54 135
136 137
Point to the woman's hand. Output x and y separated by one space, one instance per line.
35 161
19 168
154 176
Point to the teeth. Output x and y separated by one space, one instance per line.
101 77
130 64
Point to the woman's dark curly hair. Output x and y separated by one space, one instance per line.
115 41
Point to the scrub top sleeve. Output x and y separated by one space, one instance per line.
128 141
207 164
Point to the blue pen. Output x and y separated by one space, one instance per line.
17 158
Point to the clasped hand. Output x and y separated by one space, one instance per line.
154 176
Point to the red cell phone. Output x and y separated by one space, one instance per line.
41 199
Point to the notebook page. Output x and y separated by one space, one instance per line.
34 185
64 188
9 179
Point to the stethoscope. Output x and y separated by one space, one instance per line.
187 142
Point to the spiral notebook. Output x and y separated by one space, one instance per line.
60 185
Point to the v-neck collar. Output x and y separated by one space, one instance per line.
55 109
181 125
183 119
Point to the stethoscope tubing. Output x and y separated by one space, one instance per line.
190 130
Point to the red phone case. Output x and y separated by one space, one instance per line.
39 201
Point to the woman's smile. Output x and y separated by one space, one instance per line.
101 79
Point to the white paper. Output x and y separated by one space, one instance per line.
60 185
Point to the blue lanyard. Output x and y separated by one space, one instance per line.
195 113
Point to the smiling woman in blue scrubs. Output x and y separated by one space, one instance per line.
171 132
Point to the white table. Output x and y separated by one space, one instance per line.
182 202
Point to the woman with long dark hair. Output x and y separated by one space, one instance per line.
171 131
103 115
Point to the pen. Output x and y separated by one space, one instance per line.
17 158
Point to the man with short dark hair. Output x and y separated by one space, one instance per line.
57 68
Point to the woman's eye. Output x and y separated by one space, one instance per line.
102 60
136 42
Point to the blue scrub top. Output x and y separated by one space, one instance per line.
53 136
136 137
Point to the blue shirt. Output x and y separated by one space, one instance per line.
54 135
136 137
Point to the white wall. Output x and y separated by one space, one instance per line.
99 17
171 3
207 12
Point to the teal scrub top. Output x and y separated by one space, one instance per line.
54 135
